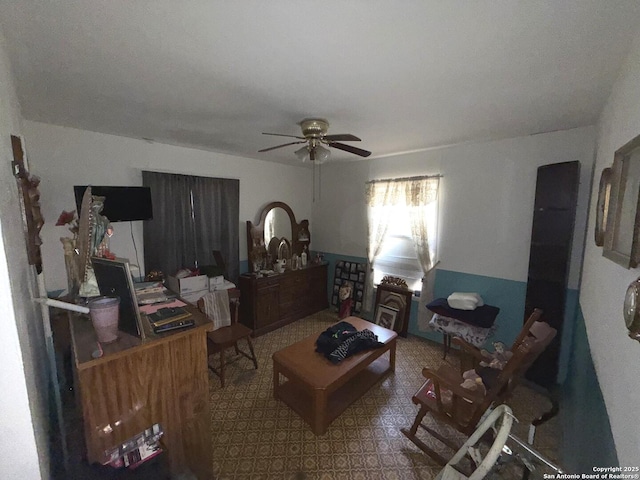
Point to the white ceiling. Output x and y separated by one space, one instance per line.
401 75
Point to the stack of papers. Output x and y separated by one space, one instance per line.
149 309
149 293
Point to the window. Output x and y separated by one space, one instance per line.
403 221
398 256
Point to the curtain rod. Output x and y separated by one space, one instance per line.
404 179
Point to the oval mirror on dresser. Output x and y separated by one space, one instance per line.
276 236
277 224
270 300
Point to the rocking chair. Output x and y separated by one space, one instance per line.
462 408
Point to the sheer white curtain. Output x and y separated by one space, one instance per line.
384 198
423 195
377 194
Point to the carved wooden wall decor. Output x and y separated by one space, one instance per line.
30 204
399 282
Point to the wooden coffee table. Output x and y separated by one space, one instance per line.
318 390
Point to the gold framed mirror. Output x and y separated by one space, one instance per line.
277 224
622 229
276 236
602 208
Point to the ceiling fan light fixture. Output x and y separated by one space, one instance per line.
314 133
322 155
302 154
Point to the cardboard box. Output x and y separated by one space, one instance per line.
188 284
217 280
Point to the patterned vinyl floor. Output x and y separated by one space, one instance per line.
256 437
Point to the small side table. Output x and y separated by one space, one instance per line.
448 326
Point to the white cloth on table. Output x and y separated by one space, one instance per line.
223 285
464 300
216 308
476 336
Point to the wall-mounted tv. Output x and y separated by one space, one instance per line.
121 204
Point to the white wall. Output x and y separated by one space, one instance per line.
487 194
615 356
23 380
64 157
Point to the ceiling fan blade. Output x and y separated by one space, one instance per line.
312 154
350 149
342 137
283 135
280 146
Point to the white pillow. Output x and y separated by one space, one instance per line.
464 301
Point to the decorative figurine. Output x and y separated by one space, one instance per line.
345 294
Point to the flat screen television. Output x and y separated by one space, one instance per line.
121 204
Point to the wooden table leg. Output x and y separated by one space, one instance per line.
276 380
392 356
319 411
446 344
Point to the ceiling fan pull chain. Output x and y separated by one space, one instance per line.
320 181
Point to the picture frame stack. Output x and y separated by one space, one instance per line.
393 304
354 273
386 316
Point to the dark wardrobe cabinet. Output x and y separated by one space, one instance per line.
549 257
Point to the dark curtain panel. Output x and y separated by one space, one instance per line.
168 244
216 203
173 240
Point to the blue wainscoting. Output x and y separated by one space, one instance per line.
508 295
244 266
570 313
587 440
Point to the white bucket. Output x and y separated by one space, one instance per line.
105 313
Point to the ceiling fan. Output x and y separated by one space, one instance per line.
314 131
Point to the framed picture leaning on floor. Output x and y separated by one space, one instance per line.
386 316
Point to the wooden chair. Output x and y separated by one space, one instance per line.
446 400
220 340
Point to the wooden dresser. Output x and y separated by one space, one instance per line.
272 302
137 383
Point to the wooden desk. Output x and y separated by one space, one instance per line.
318 390
136 383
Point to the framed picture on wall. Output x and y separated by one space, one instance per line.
386 316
